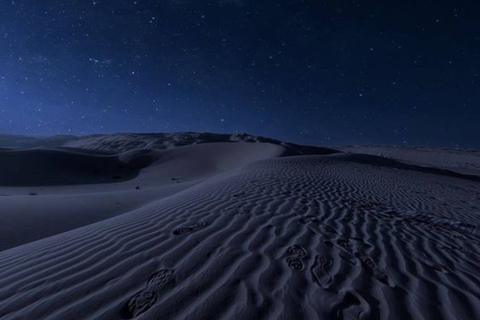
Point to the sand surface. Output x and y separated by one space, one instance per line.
239 233
458 160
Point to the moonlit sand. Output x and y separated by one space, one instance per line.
204 226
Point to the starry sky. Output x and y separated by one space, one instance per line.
316 72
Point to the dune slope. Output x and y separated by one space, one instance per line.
19 168
46 192
309 237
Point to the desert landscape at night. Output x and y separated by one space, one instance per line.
239 160
209 226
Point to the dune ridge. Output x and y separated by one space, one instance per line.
462 161
122 142
307 237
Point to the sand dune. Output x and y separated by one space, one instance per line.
257 236
122 142
45 192
461 161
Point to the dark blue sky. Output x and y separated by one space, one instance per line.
332 72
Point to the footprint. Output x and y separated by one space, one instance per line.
161 277
295 264
189 229
366 205
307 219
376 272
349 257
345 251
200 225
352 308
344 243
239 195
320 271
297 250
329 230
360 245
139 303
182 230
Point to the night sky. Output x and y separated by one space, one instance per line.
316 72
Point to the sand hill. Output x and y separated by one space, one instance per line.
203 226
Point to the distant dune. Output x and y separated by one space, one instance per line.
122 142
462 161
205 226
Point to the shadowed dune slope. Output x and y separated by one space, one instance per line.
309 237
41 167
